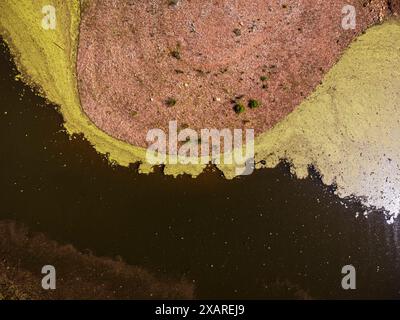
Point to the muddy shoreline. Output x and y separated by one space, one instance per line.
80 276
126 67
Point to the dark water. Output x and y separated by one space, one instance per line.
265 235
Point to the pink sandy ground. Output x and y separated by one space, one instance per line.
126 70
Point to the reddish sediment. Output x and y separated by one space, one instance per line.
79 275
133 56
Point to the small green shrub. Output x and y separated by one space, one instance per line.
254 104
239 108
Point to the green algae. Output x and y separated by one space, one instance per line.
348 129
47 60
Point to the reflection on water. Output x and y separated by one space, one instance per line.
266 235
